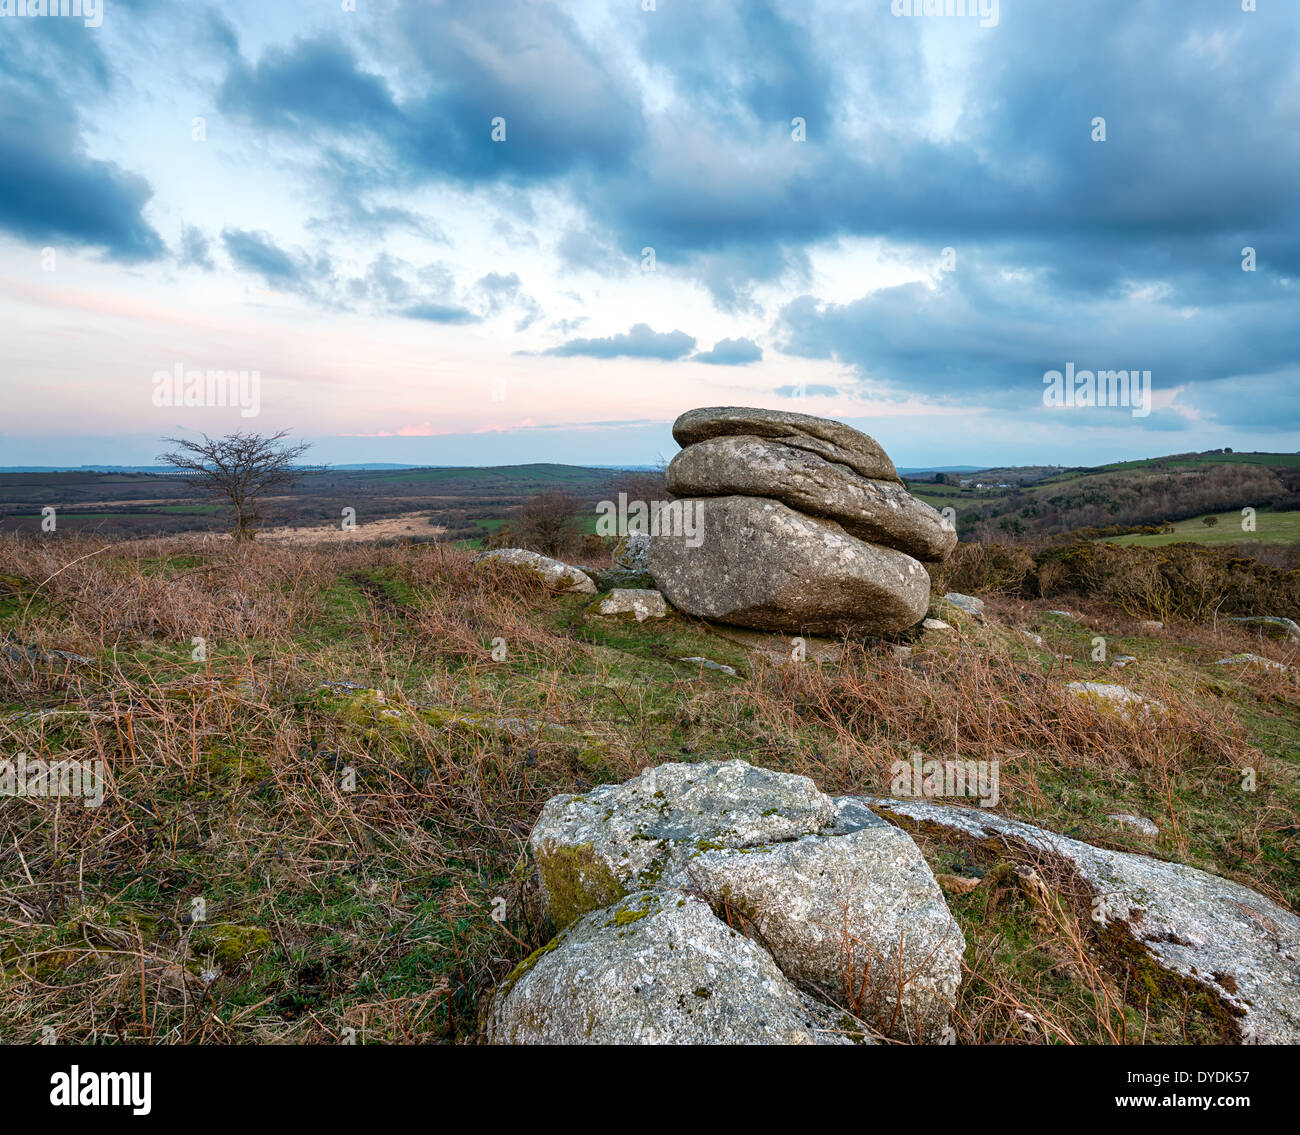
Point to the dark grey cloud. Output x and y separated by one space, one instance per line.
257 252
313 85
195 249
639 342
440 313
562 108
51 191
730 353
982 339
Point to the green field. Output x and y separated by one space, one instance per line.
1270 528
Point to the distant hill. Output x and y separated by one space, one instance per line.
1025 502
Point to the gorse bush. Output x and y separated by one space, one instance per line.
1182 580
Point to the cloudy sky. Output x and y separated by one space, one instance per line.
497 231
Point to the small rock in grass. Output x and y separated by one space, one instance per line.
643 603
968 603
1138 824
1251 659
1123 700
708 664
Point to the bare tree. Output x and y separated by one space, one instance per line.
547 521
238 469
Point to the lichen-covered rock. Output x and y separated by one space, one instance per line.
656 968
558 576
1120 699
591 849
829 439
1273 625
643 604
881 512
758 563
968 603
632 552
1251 660
857 915
844 902
1240 947
17 652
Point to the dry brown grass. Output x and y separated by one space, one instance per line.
226 777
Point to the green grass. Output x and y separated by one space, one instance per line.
370 910
1270 528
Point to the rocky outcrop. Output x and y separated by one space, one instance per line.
1242 949
880 511
841 902
763 565
800 525
830 439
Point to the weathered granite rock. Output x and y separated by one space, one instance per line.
1242 948
1125 702
640 602
856 914
592 848
881 512
632 552
759 563
17 652
1139 824
968 603
556 575
656 968
1273 625
844 902
829 439
1251 660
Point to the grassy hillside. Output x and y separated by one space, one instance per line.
1270 528
348 779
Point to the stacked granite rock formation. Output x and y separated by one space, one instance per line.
802 526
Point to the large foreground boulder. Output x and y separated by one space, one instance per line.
874 510
655 968
755 562
842 901
1242 949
